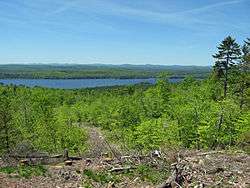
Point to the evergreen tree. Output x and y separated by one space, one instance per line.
228 52
244 69
247 42
246 56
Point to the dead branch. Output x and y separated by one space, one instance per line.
119 169
210 153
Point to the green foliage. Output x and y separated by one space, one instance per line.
8 170
144 172
37 115
8 130
98 71
25 171
191 114
147 136
29 171
147 173
243 128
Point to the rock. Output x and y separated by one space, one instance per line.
156 153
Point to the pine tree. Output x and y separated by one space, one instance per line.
244 70
228 52
245 60
247 42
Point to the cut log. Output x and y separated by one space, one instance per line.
28 156
56 156
66 154
210 153
75 158
68 163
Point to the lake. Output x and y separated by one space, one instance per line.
79 83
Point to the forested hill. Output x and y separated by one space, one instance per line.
66 71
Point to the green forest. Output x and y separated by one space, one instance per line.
75 71
187 134
210 113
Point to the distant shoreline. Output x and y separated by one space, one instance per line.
96 78
100 71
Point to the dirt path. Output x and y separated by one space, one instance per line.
99 145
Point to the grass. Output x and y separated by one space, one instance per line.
146 173
101 177
149 174
25 171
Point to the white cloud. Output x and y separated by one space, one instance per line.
146 14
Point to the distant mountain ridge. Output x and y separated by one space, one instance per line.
70 71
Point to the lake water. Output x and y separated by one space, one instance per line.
78 83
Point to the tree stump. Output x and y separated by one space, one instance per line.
66 155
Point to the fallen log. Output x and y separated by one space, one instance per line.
120 169
74 158
28 156
44 157
210 153
176 179
56 156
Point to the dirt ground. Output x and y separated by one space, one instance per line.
189 168
199 169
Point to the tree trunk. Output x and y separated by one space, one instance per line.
7 140
241 97
226 77
6 132
225 88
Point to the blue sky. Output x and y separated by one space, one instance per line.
183 32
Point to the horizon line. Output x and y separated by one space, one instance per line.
105 64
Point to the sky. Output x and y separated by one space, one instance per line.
163 32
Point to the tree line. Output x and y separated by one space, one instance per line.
98 71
